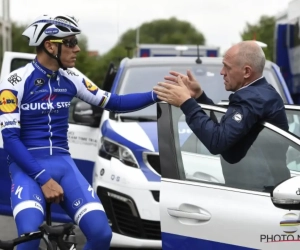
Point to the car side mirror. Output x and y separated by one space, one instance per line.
286 195
86 114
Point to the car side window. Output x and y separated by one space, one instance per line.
293 117
18 63
258 162
71 109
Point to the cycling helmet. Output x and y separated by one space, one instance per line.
51 26
44 26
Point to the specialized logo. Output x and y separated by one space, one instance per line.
77 203
237 117
14 79
18 192
8 101
90 189
71 73
90 86
39 82
51 31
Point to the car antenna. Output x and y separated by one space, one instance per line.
198 60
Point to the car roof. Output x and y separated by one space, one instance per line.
142 61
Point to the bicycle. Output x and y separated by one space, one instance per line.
55 237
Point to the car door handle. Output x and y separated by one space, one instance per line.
188 215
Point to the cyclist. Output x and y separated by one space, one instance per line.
34 104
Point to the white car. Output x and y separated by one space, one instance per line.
198 210
127 172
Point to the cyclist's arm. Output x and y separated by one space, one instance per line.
90 93
11 96
130 102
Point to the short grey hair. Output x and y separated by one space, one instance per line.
249 52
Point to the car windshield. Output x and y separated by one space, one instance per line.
144 78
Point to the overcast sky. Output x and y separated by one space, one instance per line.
103 21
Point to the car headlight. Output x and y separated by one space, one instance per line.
110 149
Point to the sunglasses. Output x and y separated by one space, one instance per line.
70 43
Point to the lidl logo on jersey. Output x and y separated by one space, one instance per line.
90 86
8 101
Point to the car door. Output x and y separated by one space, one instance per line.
223 202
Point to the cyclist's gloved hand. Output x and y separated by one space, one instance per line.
53 192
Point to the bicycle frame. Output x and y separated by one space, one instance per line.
55 237
58 242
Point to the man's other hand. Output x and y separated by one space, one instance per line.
52 191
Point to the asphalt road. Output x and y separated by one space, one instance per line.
8 232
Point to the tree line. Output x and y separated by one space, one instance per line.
163 31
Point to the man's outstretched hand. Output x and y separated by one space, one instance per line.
175 94
189 80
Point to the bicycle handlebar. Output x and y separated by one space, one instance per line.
56 233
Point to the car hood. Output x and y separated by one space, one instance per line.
140 138
139 134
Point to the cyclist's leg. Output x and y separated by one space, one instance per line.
28 205
83 205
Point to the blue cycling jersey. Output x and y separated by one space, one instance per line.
34 109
